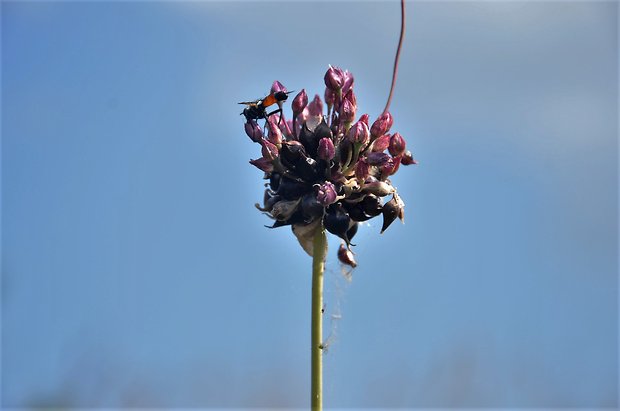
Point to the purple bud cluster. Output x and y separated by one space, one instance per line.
325 167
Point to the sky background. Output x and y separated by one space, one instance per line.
137 272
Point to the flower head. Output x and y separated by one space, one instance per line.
330 171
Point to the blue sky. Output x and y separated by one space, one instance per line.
136 271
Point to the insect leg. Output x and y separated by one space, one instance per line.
274 112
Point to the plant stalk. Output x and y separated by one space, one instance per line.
318 266
397 58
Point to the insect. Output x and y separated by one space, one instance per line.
257 109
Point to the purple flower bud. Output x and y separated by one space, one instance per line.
327 151
391 167
381 144
315 108
334 78
347 111
348 82
359 134
362 170
346 256
274 133
408 159
382 125
326 193
330 97
269 150
350 95
348 108
253 130
377 159
277 87
281 123
300 102
364 119
397 145
262 164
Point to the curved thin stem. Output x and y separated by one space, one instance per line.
397 58
318 266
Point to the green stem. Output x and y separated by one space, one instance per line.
352 161
318 266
